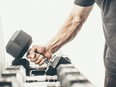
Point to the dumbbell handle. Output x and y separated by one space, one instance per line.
49 62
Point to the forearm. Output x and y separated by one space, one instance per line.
67 32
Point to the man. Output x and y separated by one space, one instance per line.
72 26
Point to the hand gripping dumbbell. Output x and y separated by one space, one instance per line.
18 46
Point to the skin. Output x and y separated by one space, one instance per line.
68 31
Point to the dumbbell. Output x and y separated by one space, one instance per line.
83 84
18 46
64 69
9 82
19 69
18 72
9 73
70 76
72 79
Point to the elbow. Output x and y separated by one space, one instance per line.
79 19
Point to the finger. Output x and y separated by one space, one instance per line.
48 56
39 59
35 58
31 53
31 56
38 49
28 55
41 49
42 62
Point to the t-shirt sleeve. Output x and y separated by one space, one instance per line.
84 2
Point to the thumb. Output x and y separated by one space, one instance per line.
41 50
48 55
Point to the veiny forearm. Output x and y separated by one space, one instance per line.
68 31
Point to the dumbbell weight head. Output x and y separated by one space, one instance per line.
9 82
20 69
62 66
67 71
64 69
83 84
14 73
18 44
71 79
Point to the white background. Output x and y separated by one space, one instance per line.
43 18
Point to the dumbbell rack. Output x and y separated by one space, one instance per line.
38 78
67 76
58 73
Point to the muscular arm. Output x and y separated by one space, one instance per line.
70 28
68 31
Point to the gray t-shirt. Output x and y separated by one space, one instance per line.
108 11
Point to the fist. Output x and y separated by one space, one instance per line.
38 54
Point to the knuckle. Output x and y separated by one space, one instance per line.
32 60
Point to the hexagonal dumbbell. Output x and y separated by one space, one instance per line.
17 46
69 76
73 80
14 73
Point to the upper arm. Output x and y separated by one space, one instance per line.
80 13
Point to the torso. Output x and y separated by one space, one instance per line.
108 10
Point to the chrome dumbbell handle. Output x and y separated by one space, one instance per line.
55 55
